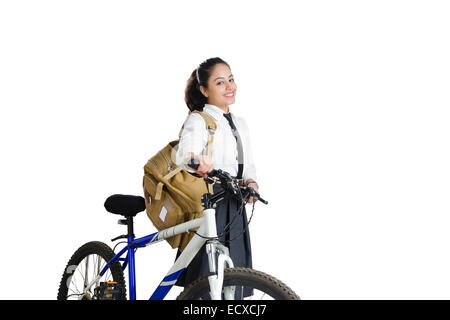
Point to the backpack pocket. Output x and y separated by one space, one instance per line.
162 210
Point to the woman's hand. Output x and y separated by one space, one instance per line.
252 184
206 165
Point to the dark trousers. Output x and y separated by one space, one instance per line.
237 239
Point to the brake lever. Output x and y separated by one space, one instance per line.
209 180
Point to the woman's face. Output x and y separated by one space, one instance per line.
221 89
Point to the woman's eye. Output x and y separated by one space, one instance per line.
221 82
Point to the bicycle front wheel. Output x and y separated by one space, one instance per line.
247 284
84 266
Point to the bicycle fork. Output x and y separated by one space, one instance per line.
215 249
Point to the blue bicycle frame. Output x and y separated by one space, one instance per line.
129 260
207 227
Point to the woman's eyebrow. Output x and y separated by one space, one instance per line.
223 77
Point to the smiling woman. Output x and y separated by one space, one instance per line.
211 89
212 82
221 90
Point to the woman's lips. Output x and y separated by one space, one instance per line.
230 95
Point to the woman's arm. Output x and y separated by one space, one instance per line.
249 174
193 140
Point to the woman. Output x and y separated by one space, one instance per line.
211 89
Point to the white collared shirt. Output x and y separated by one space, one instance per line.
194 138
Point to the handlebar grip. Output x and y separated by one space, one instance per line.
194 164
263 201
258 198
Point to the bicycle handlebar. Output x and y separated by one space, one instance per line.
227 181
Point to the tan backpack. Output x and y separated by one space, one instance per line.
173 195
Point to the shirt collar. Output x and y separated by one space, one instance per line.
214 111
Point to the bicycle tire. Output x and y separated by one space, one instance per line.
241 277
91 248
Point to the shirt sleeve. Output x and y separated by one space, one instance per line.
249 164
194 138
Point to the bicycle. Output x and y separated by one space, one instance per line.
101 271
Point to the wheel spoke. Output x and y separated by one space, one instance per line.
86 272
83 270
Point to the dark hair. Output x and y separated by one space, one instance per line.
194 98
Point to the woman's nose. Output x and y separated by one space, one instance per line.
229 86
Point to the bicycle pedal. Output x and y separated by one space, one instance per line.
109 290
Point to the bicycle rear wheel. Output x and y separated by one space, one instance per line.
84 266
249 284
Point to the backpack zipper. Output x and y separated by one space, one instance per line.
169 167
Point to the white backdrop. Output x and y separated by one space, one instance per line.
348 107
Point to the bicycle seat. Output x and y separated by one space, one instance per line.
125 205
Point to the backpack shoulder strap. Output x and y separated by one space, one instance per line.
210 123
211 126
